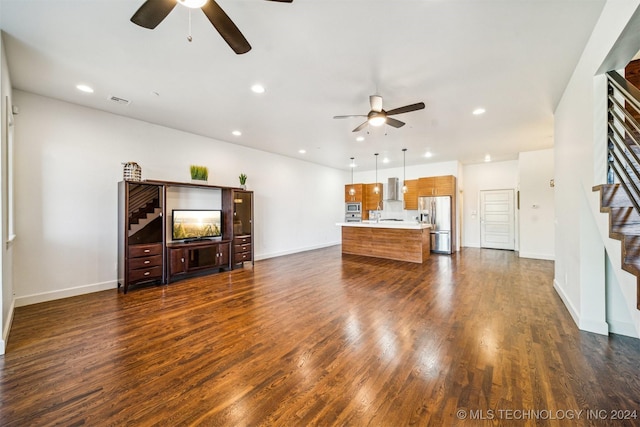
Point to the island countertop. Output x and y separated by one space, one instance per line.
408 225
397 240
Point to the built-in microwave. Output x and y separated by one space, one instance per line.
353 208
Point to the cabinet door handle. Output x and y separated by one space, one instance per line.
146 251
181 259
146 273
147 262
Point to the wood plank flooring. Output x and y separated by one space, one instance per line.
318 338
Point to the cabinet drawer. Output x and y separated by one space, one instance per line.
145 262
241 240
242 256
144 250
242 248
151 273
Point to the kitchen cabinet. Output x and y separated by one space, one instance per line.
371 199
357 197
437 186
446 185
411 196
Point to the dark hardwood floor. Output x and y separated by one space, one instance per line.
317 338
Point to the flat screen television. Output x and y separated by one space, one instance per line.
193 224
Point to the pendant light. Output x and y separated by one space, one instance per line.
376 189
352 190
404 171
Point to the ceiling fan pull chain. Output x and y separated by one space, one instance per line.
189 36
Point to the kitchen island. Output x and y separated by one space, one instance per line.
397 240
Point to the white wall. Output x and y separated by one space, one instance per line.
580 135
6 251
68 163
537 206
479 177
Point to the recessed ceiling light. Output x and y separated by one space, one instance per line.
385 160
236 133
257 88
428 154
302 151
360 138
479 111
487 158
84 88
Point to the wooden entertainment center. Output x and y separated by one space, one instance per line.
146 251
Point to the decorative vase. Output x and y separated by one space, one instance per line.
243 186
132 172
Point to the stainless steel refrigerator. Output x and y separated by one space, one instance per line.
436 211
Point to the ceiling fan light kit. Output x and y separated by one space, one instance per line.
377 119
193 4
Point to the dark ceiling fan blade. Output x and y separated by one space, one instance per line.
152 12
395 123
225 26
347 117
359 128
406 109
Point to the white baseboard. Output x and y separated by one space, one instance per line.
7 326
532 255
64 293
588 325
623 328
97 287
570 308
595 326
471 245
295 251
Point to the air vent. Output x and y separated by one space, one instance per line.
120 101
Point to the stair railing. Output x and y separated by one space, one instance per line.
623 146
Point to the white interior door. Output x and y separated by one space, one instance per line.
497 219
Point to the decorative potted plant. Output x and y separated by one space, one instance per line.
243 181
199 173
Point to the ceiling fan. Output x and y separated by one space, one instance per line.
377 116
152 12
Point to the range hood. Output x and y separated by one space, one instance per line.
392 189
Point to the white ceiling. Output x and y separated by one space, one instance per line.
317 59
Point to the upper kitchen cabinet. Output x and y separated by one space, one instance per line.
358 193
411 196
437 186
372 200
446 185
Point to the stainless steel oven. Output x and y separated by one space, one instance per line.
353 212
352 217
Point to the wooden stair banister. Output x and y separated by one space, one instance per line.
620 196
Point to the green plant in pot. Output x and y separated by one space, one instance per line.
199 173
243 180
